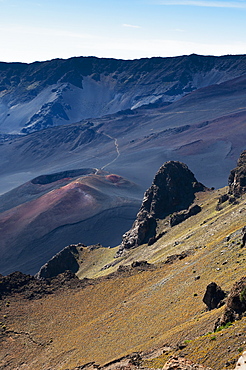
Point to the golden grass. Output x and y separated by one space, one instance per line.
136 312
92 261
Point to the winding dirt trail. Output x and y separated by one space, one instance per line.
117 151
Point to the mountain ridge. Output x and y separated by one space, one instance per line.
168 79
138 131
204 128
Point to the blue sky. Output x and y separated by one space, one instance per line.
32 30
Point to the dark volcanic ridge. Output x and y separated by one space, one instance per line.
237 178
65 91
205 126
173 189
56 276
31 288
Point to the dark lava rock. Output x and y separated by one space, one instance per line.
94 246
143 229
156 237
223 198
14 282
141 264
235 304
237 177
66 259
32 288
244 236
178 257
179 217
172 190
129 270
213 296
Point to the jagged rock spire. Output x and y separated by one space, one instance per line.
237 177
172 190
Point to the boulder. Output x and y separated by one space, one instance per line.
244 236
65 260
175 257
181 216
235 304
213 296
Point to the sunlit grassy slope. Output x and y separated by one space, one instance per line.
137 310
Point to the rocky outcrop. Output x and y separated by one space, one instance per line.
143 229
237 178
181 363
156 237
213 296
235 304
32 288
172 190
135 362
134 268
178 257
66 259
243 236
181 216
140 264
236 183
14 282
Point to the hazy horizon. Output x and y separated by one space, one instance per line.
129 59
41 30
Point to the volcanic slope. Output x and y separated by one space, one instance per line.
45 94
140 306
205 129
49 212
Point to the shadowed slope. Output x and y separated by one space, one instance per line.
36 229
45 94
205 127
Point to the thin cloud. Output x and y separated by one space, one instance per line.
40 31
130 25
210 4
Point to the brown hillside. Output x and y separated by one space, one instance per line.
138 308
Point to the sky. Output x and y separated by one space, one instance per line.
38 30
